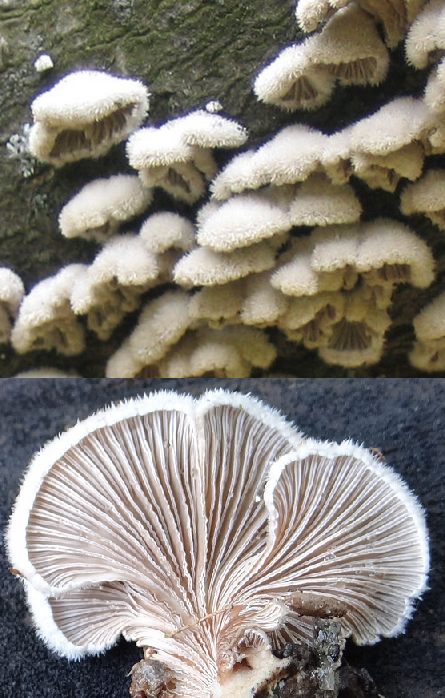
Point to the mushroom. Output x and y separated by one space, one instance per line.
203 267
428 353
84 115
46 372
289 157
11 294
46 319
113 284
206 530
309 318
426 197
231 352
217 306
177 155
318 202
425 41
101 206
166 230
348 49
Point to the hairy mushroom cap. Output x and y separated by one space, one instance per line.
318 202
425 41
231 352
46 319
204 267
196 527
101 206
243 220
217 305
426 196
428 353
166 230
84 115
293 82
311 13
294 276
390 253
262 304
12 291
177 155
161 324
308 319
385 171
290 156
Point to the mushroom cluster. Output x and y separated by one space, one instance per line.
247 268
210 531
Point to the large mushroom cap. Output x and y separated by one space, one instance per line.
196 527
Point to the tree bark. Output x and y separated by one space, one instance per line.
188 53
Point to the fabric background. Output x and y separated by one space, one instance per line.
404 419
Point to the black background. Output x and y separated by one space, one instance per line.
405 419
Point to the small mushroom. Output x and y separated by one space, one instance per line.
166 230
427 196
101 206
46 320
197 528
204 267
177 155
84 115
347 49
428 353
318 202
12 291
425 41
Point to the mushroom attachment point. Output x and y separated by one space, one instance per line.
210 531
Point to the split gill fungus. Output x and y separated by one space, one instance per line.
207 531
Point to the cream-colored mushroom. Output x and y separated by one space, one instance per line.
427 197
204 267
428 353
318 202
46 319
425 41
177 155
206 530
101 206
84 115
12 291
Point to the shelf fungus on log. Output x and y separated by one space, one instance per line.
210 531
84 115
177 155
98 210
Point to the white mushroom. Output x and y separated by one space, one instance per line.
101 206
428 353
348 49
12 291
46 319
84 115
318 202
197 528
166 230
177 155
425 41
427 196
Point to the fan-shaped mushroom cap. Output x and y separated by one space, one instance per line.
426 196
262 304
308 319
123 363
385 171
358 338
113 283
217 305
46 320
295 276
428 353
425 41
289 157
12 291
177 157
318 202
99 208
311 13
161 324
231 352
166 230
336 156
293 82
84 115
390 253
204 267
148 520
376 567
242 220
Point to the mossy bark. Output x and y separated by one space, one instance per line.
188 53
